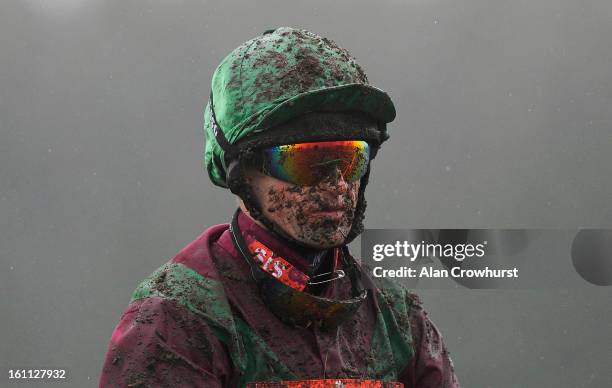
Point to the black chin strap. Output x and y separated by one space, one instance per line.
256 273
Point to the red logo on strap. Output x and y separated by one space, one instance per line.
278 267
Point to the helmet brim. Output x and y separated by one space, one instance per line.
364 98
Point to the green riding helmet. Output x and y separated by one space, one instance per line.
275 77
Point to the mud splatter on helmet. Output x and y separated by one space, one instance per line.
273 78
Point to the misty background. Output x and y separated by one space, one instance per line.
504 121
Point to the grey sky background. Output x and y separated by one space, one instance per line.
504 121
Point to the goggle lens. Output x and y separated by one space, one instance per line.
307 164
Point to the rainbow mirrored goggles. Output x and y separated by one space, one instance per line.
307 164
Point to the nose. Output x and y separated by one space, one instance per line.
334 181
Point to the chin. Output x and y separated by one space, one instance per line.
323 243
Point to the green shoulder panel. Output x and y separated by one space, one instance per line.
203 296
206 298
392 339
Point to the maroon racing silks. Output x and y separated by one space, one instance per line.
198 321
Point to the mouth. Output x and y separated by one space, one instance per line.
327 208
335 212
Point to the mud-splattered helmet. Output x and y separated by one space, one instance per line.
278 76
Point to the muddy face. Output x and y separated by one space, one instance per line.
319 216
